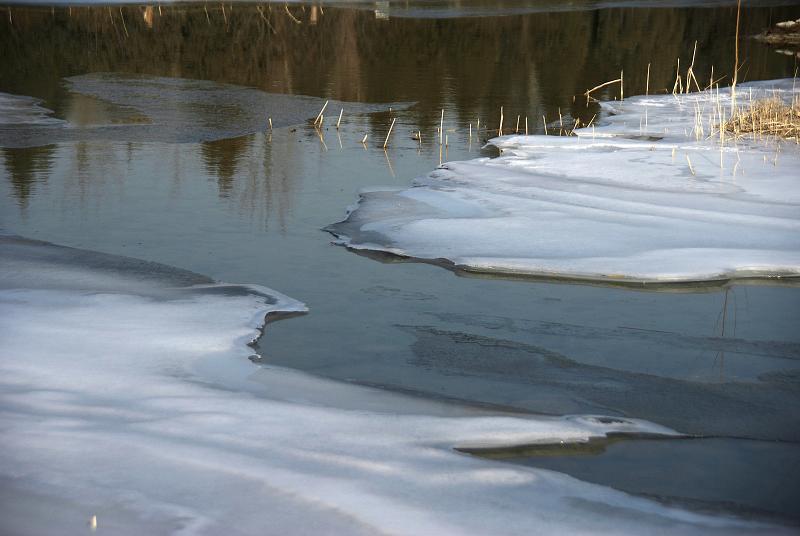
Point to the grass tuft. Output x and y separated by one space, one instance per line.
767 117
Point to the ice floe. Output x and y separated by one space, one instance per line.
20 110
652 195
133 403
127 107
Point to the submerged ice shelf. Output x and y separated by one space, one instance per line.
127 107
651 195
124 393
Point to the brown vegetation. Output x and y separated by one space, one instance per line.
767 117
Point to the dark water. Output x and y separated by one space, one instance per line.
209 188
701 474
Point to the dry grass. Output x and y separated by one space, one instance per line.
767 117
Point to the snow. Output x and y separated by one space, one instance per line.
651 195
135 403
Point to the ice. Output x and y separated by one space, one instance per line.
135 404
127 107
21 110
651 195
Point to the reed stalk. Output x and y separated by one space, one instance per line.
500 129
386 141
319 115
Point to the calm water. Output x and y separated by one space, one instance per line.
161 171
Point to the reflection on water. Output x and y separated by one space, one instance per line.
532 64
475 65
222 158
248 176
25 168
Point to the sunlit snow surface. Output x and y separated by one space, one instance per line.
125 393
650 195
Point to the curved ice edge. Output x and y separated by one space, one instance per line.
276 305
789 275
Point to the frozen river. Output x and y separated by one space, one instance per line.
167 157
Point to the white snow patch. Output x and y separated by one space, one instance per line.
651 195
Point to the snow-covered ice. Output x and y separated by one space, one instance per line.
125 393
650 195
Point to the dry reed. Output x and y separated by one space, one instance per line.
766 117
386 141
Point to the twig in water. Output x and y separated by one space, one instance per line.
441 127
389 133
691 168
364 140
595 88
338 121
544 122
319 115
270 123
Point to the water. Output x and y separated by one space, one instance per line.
710 474
706 360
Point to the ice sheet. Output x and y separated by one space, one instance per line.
127 107
21 110
652 195
126 404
